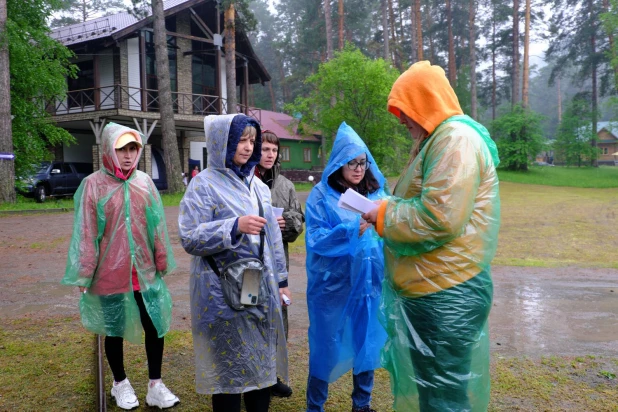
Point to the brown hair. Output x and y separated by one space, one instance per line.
367 185
270 137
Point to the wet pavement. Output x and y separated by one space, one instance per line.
536 311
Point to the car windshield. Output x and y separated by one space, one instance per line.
43 168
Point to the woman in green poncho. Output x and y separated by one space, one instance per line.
440 233
118 254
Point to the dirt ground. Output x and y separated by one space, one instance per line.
537 311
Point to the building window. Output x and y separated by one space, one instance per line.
285 154
151 67
605 151
81 89
307 155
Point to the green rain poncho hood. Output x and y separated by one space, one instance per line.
119 226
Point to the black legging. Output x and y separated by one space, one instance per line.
255 401
154 346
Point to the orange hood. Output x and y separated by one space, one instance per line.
424 94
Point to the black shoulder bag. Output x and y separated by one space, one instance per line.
243 282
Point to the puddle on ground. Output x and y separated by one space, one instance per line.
538 313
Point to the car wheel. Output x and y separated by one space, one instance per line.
40 194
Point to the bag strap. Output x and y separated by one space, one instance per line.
211 260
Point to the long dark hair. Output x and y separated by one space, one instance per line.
368 185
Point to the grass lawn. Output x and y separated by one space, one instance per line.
589 177
49 365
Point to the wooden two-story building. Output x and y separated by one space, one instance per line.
117 80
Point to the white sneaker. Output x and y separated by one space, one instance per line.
158 395
125 395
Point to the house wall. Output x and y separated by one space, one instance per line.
185 76
607 144
106 79
196 152
297 154
80 152
133 74
223 80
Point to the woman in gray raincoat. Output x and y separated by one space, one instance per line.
236 351
291 220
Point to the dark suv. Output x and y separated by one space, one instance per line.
56 179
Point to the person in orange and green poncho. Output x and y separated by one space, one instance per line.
440 231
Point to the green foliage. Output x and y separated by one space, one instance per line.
610 25
519 137
39 68
462 89
353 88
572 145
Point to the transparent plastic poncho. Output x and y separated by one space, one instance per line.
236 351
440 232
344 274
119 226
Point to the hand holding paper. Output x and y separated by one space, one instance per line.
355 202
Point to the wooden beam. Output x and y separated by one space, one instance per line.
186 36
97 129
145 130
195 17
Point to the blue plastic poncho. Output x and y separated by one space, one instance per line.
345 274
235 351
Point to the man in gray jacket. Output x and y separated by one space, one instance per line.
291 221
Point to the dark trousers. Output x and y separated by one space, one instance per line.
255 401
447 326
154 346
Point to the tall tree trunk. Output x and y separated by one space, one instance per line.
273 102
229 32
419 30
7 166
515 74
431 37
559 100
612 50
84 11
413 38
526 79
472 44
341 25
395 47
452 70
593 51
284 86
387 53
493 61
329 30
166 108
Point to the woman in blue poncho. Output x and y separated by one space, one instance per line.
345 270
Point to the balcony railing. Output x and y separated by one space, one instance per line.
143 100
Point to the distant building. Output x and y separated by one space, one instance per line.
607 142
117 81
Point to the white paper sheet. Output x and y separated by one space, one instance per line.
355 202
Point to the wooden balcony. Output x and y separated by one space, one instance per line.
140 100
